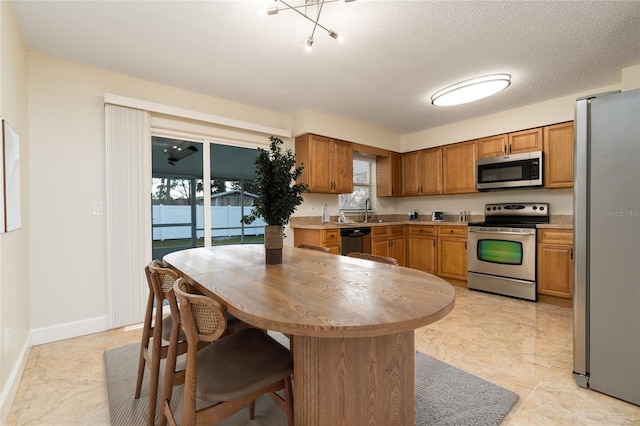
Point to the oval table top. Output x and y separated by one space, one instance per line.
314 293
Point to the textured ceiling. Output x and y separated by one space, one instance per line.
395 53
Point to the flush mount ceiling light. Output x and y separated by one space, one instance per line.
471 90
310 10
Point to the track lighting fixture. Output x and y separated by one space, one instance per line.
310 10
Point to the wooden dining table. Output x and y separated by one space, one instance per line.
351 323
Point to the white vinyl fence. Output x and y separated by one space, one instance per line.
225 222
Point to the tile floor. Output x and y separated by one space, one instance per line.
525 347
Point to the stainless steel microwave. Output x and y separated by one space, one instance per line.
509 171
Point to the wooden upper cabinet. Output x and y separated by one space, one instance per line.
341 167
510 143
328 164
493 146
422 172
458 165
432 171
389 175
411 173
557 166
525 141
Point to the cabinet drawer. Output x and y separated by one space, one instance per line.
379 231
453 231
396 230
331 236
422 230
555 236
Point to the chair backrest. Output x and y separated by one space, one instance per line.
310 247
201 317
162 278
374 257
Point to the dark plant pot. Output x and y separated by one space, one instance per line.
273 244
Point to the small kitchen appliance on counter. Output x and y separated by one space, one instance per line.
502 249
437 216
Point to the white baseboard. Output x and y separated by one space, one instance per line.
39 336
69 330
13 382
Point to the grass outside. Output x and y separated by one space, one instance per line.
186 242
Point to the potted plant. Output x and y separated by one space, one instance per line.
278 195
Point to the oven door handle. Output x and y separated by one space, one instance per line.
500 232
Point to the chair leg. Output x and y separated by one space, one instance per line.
252 410
169 377
144 345
288 400
156 346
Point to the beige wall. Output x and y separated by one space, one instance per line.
14 256
307 121
68 162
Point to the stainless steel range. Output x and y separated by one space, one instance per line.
502 249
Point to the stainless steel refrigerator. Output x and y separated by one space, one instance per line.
606 301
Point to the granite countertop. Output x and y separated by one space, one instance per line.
333 225
557 222
555 225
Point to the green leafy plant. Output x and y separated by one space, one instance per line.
278 194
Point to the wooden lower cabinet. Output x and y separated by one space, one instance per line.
555 264
422 248
452 252
390 241
329 238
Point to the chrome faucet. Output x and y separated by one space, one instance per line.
367 206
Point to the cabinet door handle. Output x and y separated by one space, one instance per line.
571 254
465 245
509 148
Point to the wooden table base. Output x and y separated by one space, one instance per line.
354 381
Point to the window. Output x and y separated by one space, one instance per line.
364 171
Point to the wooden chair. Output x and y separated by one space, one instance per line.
160 280
231 372
310 247
374 257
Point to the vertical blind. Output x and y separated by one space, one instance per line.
128 212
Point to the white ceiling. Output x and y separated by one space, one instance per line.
395 55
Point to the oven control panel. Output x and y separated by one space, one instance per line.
517 209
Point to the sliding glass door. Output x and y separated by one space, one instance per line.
183 172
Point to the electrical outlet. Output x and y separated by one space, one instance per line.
6 340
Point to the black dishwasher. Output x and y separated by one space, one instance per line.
355 239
